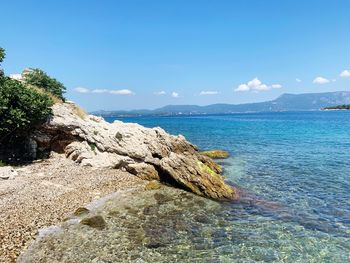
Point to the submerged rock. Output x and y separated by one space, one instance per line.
150 210
113 213
216 154
162 198
154 243
150 154
94 222
201 218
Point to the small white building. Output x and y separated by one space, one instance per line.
16 76
20 76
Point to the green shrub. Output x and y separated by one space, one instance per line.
93 147
21 107
2 56
40 79
339 107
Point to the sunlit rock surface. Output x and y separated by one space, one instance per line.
151 154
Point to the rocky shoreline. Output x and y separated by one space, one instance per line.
88 158
150 154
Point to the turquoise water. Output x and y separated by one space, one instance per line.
294 169
300 160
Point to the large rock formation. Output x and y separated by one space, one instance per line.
151 154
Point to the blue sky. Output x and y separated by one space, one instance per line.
147 54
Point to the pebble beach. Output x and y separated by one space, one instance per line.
45 193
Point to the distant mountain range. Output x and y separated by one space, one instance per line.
285 102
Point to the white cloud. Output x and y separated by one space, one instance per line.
254 83
100 91
82 90
298 80
276 86
115 92
257 85
121 92
208 92
321 80
345 73
243 87
261 87
174 94
160 93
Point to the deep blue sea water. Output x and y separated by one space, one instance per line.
294 168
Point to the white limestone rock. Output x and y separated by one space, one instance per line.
148 153
7 172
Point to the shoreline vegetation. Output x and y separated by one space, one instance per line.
65 158
338 107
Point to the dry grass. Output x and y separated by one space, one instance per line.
50 95
80 112
76 109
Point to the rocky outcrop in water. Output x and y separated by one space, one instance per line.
151 154
216 154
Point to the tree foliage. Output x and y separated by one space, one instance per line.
2 56
21 107
339 107
40 79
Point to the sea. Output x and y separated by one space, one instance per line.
294 171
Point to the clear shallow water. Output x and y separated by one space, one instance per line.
295 168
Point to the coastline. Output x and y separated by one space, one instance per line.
335 109
45 193
99 158
299 236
